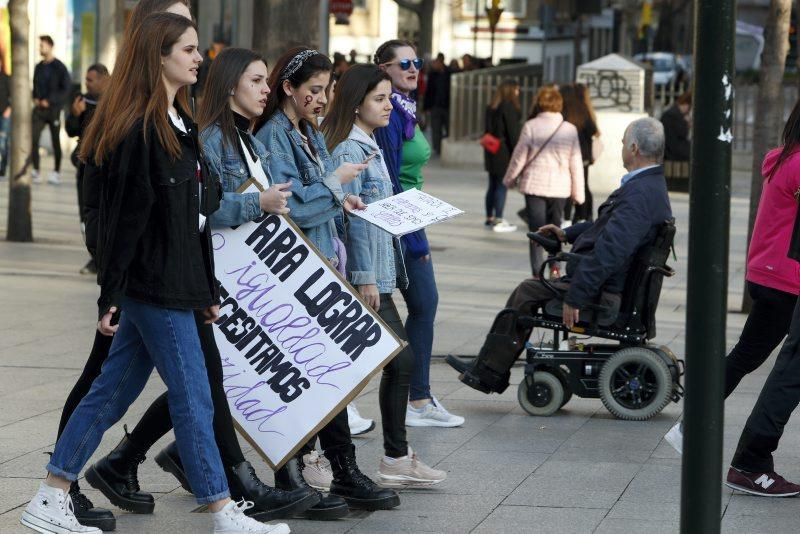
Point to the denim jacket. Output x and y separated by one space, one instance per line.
370 251
225 162
316 192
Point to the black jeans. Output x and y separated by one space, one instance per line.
156 421
495 196
541 211
50 117
766 326
778 398
585 211
395 385
333 437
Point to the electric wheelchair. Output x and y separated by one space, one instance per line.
634 379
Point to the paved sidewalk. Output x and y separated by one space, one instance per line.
579 471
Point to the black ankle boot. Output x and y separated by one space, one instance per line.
357 489
269 503
170 461
491 370
116 477
290 477
87 514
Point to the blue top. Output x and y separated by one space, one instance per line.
370 251
316 191
225 161
391 139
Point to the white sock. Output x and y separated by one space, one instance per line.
391 461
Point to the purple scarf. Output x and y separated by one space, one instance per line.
407 107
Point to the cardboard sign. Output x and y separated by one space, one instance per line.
297 342
407 212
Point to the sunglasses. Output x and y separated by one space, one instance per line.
405 64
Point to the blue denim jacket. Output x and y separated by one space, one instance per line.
370 251
316 192
225 161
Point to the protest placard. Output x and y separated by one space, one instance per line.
407 212
296 340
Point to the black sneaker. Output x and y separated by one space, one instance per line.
763 484
89 268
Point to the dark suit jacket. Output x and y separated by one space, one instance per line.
628 220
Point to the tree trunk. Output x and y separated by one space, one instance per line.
768 125
276 27
20 227
424 11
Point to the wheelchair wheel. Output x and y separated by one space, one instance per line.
541 393
635 384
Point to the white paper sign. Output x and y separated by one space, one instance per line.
296 341
407 212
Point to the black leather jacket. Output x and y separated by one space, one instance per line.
144 212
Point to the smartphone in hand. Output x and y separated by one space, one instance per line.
368 158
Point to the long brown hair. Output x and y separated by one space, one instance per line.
578 107
223 77
312 66
136 91
352 89
506 92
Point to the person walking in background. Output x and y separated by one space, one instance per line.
773 282
503 120
5 118
217 46
51 86
80 114
677 123
547 167
437 100
406 152
578 111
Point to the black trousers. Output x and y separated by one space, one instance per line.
439 121
766 326
541 211
779 397
156 422
585 211
50 117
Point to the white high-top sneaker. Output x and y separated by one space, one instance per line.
358 425
51 512
231 520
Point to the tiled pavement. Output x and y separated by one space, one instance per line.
579 471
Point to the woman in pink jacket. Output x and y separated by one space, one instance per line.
547 166
773 279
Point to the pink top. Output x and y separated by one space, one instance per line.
557 172
767 262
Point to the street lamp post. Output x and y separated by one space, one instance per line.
707 287
493 14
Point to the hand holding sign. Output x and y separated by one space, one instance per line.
273 200
353 202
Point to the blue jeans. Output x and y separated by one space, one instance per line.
150 336
422 299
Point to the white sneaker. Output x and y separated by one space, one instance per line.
675 437
502 226
36 177
432 414
408 471
51 511
231 520
566 224
317 471
54 178
358 425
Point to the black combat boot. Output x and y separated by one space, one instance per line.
116 477
87 514
269 503
170 461
356 488
290 477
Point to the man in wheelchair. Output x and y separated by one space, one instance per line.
598 263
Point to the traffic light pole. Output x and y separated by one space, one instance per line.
707 287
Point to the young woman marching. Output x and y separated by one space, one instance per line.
406 151
155 198
364 104
298 156
235 93
85 511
